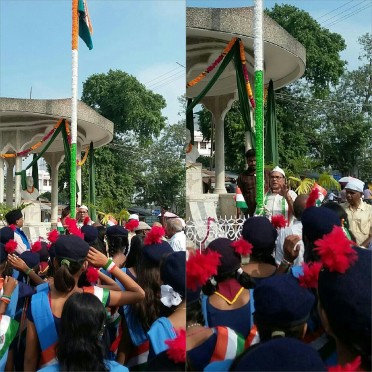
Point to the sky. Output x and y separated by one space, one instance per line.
145 38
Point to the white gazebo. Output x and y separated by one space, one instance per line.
208 31
24 122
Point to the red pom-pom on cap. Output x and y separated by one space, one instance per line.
13 227
313 197
348 367
177 347
53 235
154 236
36 247
242 246
86 220
11 246
278 221
200 267
335 250
311 274
131 225
92 274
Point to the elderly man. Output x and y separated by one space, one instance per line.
279 199
81 215
359 213
176 236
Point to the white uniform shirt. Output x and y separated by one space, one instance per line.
178 241
274 205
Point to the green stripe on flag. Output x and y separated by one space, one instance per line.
84 21
241 204
9 328
240 346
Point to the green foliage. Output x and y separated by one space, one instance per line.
205 161
323 63
163 182
121 98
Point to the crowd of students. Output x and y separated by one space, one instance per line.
114 298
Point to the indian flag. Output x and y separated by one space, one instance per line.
85 26
229 344
240 201
8 331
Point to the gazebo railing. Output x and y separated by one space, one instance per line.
202 232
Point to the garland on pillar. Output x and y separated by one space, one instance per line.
213 65
35 146
259 96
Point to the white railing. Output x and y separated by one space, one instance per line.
202 232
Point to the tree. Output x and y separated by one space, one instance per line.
163 181
121 98
323 63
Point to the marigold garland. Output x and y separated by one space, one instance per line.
245 72
84 159
213 65
35 146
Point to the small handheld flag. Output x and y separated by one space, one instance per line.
240 202
85 26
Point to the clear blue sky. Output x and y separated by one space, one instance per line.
142 37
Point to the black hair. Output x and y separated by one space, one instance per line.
265 330
82 325
341 214
148 278
64 279
117 243
135 253
194 313
244 279
251 153
264 255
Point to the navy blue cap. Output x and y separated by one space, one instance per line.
230 261
6 233
260 232
280 301
31 259
71 247
116 230
162 362
155 252
280 354
346 298
43 252
90 233
193 296
173 271
12 216
3 253
317 222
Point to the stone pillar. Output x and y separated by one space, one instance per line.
54 160
17 182
9 182
1 180
219 106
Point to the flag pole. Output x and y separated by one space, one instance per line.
258 88
74 102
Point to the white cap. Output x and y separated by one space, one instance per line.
133 217
355 184
279 170
183 223
83 207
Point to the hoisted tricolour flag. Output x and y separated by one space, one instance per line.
240 201
85 26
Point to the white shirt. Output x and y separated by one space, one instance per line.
178 241
274 205
294 229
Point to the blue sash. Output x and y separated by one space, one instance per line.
43 320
